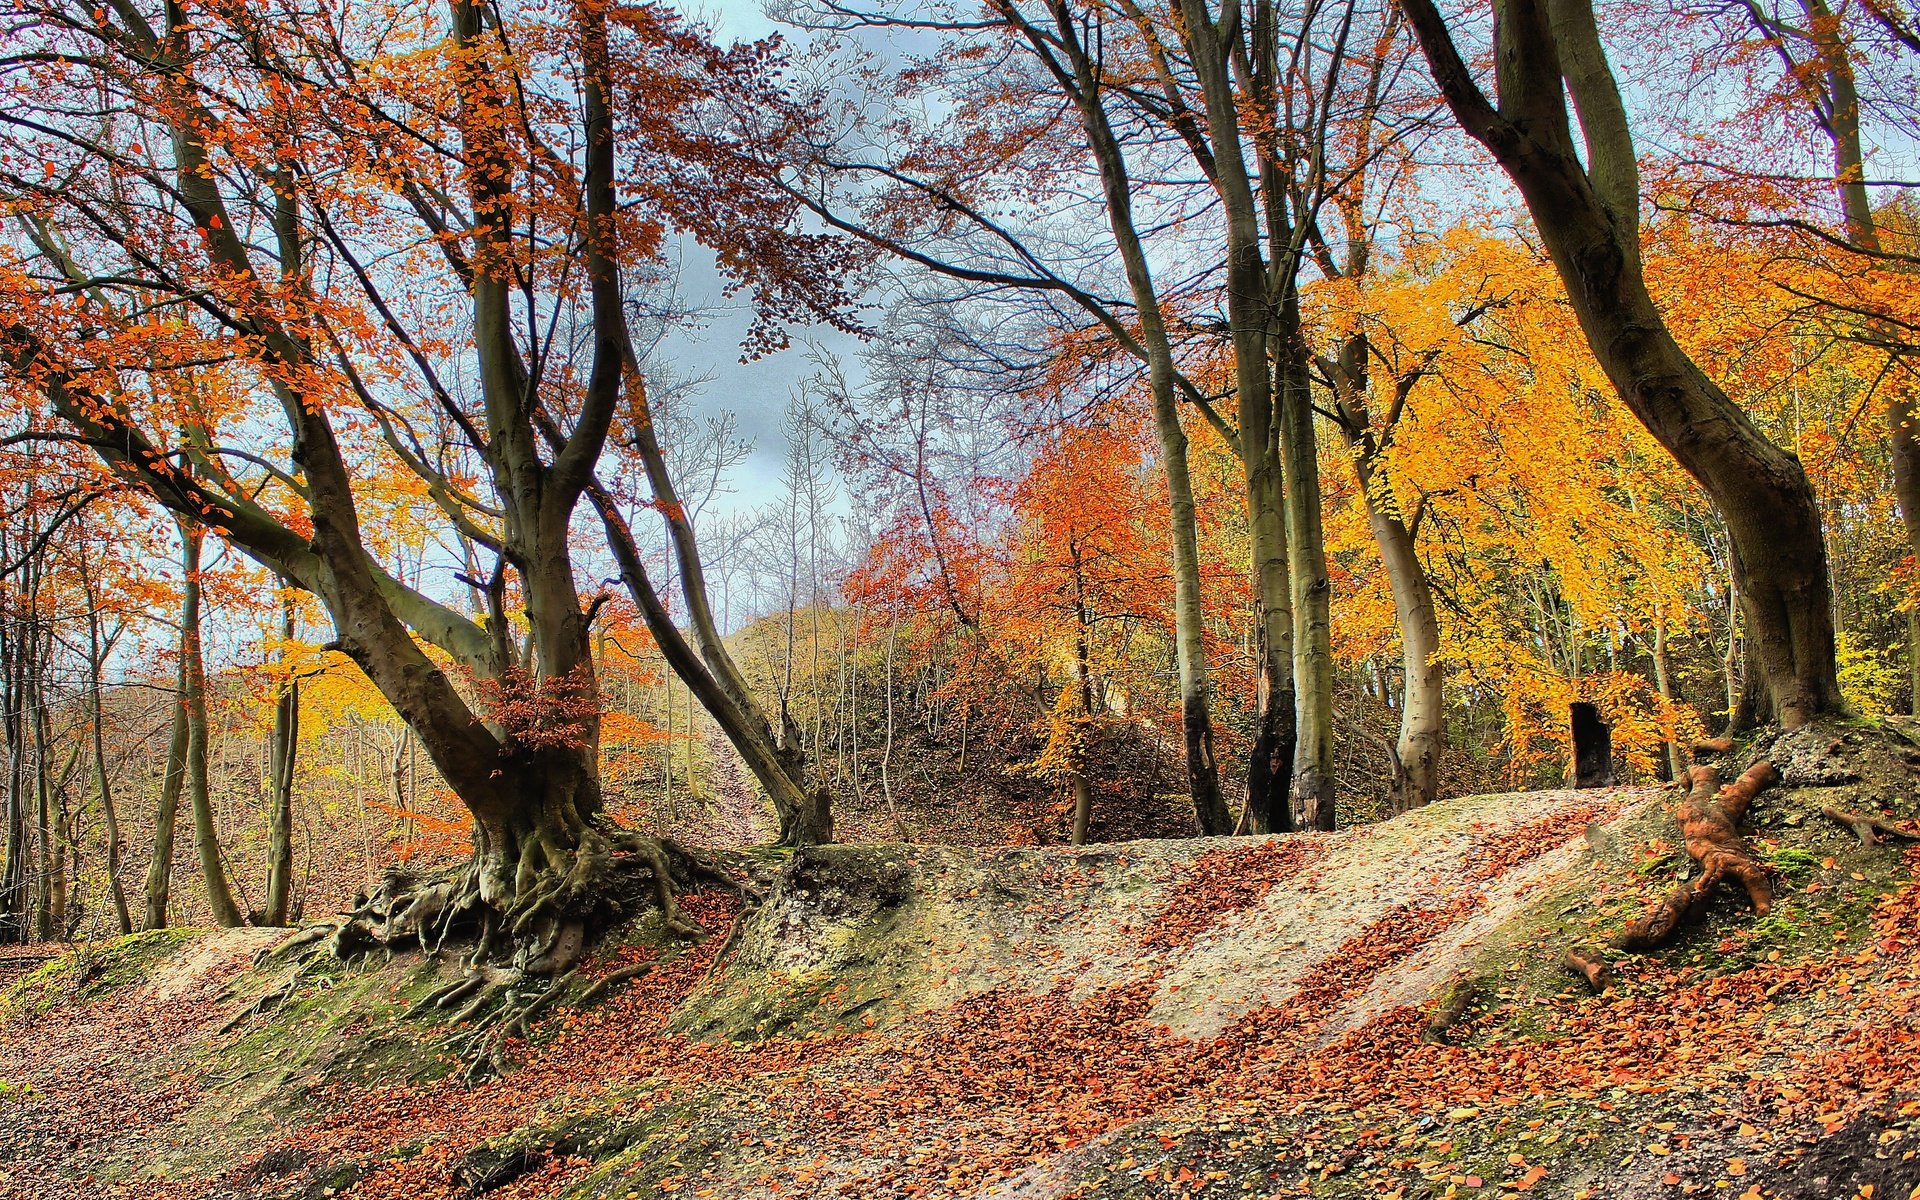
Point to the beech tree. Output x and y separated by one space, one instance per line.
315 251
1840 81
932 202
1585 201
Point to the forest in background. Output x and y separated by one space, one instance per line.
1040 519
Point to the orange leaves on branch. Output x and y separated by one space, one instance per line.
434 836
1551 525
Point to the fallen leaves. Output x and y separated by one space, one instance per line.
957 1100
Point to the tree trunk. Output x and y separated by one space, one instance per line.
1840 116
1261 299
167 811
45 922
805 817
1313 773
1663 684
1189 613
1416 776
1422 707
886 744
13 884
97 650
1592 765
1083 684
1589 224
1190 647
666 747
206 836
1913 662
1276 728
284 750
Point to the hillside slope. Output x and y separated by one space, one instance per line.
1379 1012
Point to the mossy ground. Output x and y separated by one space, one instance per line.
92 971
868 1034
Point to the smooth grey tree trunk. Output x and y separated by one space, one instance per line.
284 750
1588 219
206 835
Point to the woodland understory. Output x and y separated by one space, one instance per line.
1378 1012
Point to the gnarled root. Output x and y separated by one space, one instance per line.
1708 818
1658 924
500 1013
271 1000
653 853
525 924
607 983
1870 828
540 910
1455 1000
298 941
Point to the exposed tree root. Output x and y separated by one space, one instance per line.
522 957
609 982
1588 963
1708 818
1457 998
558 901
1708 747
1870 828
1658 924
300 940
448 996
272 1000
502 1013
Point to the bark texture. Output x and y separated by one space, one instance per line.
193 699
1416 754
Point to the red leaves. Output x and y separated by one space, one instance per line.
542 714
1222 882
1007 1081
1501 853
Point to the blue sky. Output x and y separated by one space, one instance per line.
757 392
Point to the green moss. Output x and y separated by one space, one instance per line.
1794 862
669 1143
92 970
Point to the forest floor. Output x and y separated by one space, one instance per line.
739 818
1379 1012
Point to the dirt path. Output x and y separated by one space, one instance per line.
94 1085
739 816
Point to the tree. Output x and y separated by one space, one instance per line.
283 756
1842 78
1588 216
100 645
962 238
407 254
1216 145
1076 569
